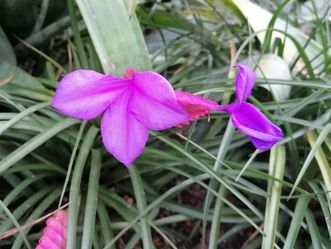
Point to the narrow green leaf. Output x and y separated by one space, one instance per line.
318 153
22 115
91 200
213 184
324 204
23 185
72 159
78 39
105 223
139 192
119 205
216 221
37 212
276 169
268 36
313 230
15 222
296 222
166 239
172 191
73 210
25 206
34 143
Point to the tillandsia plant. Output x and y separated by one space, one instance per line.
143 101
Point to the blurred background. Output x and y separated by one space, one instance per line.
183 191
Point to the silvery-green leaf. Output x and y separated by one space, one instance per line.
116 36
131 5
308 11
259 19
271 66
6 51
16 81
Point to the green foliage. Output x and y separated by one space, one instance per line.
182 191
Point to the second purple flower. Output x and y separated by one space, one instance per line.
246 117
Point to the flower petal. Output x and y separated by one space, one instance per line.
154 85
262 144
154 102
85 94
262 132
245 81
123 136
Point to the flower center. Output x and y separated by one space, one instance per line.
128 73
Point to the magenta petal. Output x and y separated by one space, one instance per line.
262 144
85 94
245 81
262 132
154 85
157 115
154 102
123 136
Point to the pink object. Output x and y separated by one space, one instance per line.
142 101
55 233
131 106
246 117
195 106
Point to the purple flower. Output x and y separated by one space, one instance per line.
131 106
246 117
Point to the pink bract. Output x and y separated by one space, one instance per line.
55 233
194 105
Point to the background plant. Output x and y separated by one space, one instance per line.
182 192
